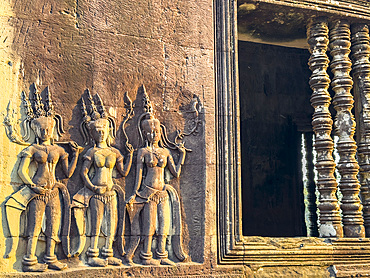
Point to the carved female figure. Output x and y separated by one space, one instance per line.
100 194
40 193
151 198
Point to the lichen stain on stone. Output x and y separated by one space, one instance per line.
271 24
246 7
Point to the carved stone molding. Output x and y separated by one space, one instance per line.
343 8
361 75
228 147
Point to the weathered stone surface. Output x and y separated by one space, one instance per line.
116 46
294 272
112 47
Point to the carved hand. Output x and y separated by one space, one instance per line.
75 147
100 189
181 148
129 148
131 200
38 189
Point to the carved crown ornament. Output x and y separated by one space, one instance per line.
100 208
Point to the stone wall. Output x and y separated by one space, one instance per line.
111 47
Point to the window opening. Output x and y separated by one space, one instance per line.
275 117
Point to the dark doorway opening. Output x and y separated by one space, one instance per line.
275 115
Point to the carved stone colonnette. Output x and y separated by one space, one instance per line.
340 46
345 128
318 40
361 75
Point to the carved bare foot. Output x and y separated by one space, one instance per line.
108 254
38 267
127 260
53 263
167 262
58 266
150 262
97 262
93 259
114 261
30 264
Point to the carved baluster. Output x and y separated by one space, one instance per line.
361 75
310 185
330 221
345 128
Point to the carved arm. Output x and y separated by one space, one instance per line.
69 168
86 180
22 171
125 169
176 169
139 175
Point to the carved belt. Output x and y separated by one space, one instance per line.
159 197
48 195
106 197
152 194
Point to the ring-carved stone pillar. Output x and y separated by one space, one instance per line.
361 75
330 221
345 128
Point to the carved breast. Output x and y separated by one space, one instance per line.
41 156
105 158
155 159
46 154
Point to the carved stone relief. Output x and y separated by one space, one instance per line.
156 203
100 206
42 193
104 199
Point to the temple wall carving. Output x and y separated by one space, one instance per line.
121 146
62 49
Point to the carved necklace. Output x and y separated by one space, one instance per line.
154 152
43 148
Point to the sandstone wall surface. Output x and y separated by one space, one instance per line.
111 47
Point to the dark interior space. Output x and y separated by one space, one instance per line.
275 110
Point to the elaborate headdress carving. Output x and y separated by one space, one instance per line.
148 115
93 110
147 104
129 115
34 108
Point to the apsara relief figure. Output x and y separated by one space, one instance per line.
100 194
42 195
154 208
